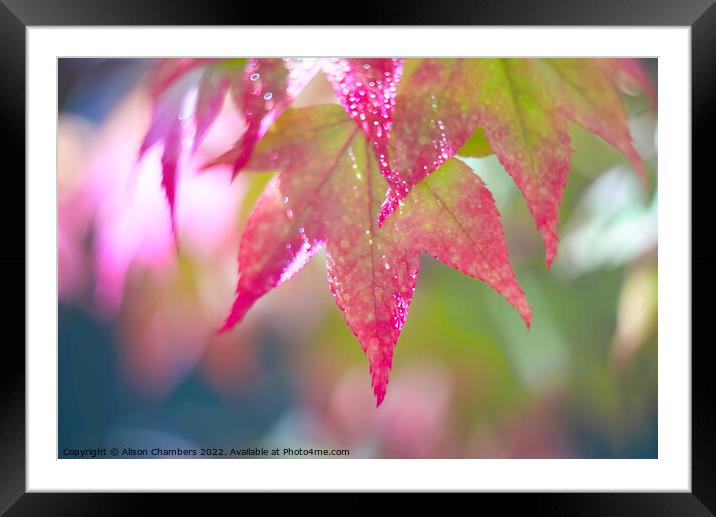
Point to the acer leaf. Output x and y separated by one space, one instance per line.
171 124
452 216
434 116
366 88
521 122
184 111
268 87
212 89
522 106
509 100
629 76
327 193
589 99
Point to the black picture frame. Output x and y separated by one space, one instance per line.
17 15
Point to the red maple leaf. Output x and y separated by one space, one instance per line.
327 194
523 107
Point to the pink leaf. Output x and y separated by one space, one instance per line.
528 135
452 216
172 124
171 157
182 114
210 97
435 114
367 88
327 193
522 106
269 86
589 99
443 101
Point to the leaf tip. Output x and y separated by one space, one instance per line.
175 237
143 148
139 156
380 385
245 147
204 167
550 238
518 300
380 364
640 168
549 254
242 304
526 314
379 397
238 166
228 324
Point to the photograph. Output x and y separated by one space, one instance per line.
439 250
357 257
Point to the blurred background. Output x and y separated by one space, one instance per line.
140 364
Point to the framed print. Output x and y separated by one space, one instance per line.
401 257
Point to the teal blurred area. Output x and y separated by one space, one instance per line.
141 366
